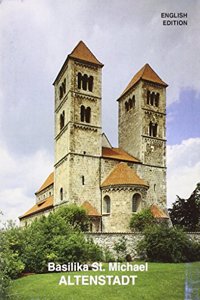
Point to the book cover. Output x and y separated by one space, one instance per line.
100 109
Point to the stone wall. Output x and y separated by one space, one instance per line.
109 240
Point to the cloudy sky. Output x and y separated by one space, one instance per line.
35 38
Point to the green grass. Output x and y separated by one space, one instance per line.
161 282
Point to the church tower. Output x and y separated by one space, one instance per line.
142 129
78 128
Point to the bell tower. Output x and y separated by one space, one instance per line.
142 128
77 124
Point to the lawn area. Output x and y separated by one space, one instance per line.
161 281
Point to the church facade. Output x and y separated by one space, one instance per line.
110 183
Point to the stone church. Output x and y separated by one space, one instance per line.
110 183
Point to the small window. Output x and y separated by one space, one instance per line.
153 127
83 180
87 114
148 97
136 202
90 83
61 194
106 205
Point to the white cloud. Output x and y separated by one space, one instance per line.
183 163
20 178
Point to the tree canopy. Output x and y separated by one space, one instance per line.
186 212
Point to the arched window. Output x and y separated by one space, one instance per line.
157 96
90 83
153 127
130 101
126 106
60 92
106 205
87 114
84 82
62 120
83 180
152 98
136 200
82 113
79 80
61 194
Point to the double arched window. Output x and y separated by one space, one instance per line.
106 205
85 82
85 114
136 200
130 103
153 98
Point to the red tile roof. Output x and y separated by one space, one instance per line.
158 212
119 154
39 207
146 73
123 175
82 52
49 181
90 210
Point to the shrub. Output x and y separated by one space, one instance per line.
164 244
142 220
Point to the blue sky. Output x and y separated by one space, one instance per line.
35 38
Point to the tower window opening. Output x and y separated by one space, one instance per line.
85 82
153 127
82 113
90 83
106 205
83 180
61 194
136 200
85 114
62 120
130 103
152 98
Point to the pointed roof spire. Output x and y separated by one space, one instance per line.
122 174
146 73
82 52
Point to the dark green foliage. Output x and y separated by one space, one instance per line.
186 212
164 244
58 238
74 215
142 220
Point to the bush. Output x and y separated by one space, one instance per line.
142 220
164 244
58 238
121 249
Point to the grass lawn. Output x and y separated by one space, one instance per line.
160 282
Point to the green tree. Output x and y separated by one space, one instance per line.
186 212
168 244
142 220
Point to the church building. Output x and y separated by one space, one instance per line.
111 184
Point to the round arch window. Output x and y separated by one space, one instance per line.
136 200
106 205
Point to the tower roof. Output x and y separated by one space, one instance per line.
146 73
123 175
82 52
